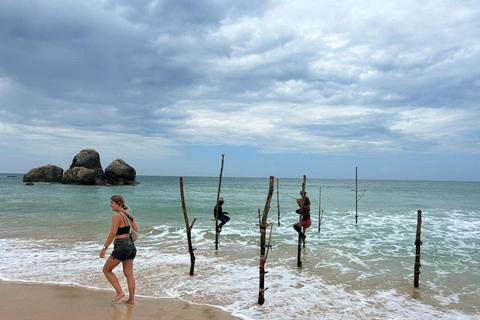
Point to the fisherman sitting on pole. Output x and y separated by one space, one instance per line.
220 215
306 222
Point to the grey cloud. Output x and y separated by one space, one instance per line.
153 66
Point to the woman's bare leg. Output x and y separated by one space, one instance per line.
128 272
108 271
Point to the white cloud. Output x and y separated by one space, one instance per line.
286 76
443 130
69 141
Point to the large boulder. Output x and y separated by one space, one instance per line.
119 172
79 175
85 169
88 158
47 173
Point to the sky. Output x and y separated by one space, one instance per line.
283 88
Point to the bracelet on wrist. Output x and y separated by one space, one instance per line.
105 248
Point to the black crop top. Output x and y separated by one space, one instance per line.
126 229
123 230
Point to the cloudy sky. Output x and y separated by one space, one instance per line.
282 87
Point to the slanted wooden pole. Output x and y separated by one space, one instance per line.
278 203
263 257
418 243
299 253
189 229
218 197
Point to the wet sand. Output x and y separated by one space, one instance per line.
27 301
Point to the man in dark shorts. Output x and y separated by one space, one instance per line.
220 215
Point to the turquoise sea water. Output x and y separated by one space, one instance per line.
52 233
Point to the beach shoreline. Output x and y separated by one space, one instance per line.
26 300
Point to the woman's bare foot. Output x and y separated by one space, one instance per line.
132 302
119 296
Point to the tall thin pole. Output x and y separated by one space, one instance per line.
320 212
418 243
356 195
189 229
216 211
263 227
299 253
278 203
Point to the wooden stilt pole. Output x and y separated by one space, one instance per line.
263 257
418 243
189 229
218 197
278 203
299 254
303 241
356 195
320 211
357 198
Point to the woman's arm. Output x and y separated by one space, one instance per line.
113 232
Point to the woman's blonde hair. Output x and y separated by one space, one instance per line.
118 199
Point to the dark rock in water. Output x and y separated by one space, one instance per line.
88 158
85 169
119 172
47 173
29 184
79 175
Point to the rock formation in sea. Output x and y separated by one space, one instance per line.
80 175
119 172
47 173
86 169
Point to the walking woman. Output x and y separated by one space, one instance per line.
124 250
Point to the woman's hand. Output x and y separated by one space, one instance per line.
102 253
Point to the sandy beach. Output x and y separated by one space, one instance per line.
27 301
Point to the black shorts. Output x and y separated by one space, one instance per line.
223 218
123 249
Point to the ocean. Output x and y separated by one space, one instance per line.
53 233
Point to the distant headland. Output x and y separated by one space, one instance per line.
85 169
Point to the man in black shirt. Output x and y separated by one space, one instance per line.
220 215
